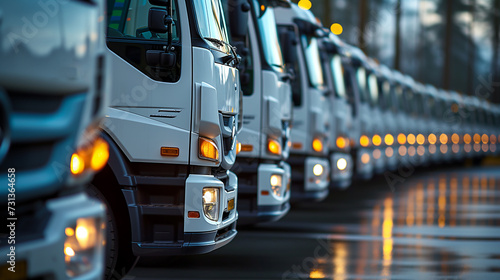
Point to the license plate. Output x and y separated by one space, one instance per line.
20 271
230 204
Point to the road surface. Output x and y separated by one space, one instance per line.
436 224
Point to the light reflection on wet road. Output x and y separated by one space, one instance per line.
435 225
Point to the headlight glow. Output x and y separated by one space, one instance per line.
317 145
389 139
208 149
318 169
376 140
432 138
211 203
273 147
341 164
80 247
411 139
401 139
364 141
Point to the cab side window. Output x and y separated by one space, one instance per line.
130 38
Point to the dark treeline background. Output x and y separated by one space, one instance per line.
452 44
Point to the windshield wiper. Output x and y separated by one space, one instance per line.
233 57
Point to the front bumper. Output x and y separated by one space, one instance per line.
379 162
364 168
305 185
391 158
158 225
40 240
341 179
258 202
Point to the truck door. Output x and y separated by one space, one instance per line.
150 89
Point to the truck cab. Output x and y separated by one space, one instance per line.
373 96
355 79
52 97
434 123
264 176
342 113
171 126
311 109
388 107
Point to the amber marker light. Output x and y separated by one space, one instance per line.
401 139
420 139
443 138
208 149
336 29
296 145
376 140
169 151
341 142
305 4
467 139
389 139
411 139
246 147
432 138
193 214
485 139
493 139
317 145
273 147
364 141
477 138
238 147
455 138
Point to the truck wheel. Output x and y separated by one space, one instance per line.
119 258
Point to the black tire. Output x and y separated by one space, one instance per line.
119 258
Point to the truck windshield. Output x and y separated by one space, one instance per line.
129 20
338 76
361 81
269 35
373 89
312 58
212 24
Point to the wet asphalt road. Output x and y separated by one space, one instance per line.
437 224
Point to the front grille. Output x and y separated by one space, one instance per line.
35 103
32 220
28 156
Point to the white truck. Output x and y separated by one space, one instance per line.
52 97
354 64
311 108
263 175
342 113
171 126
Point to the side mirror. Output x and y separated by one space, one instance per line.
158 20
238 17
288 41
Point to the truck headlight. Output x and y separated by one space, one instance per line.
341 164
318 169
274 147
317 145
276 184
81 244
208 149
211 203
93 156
